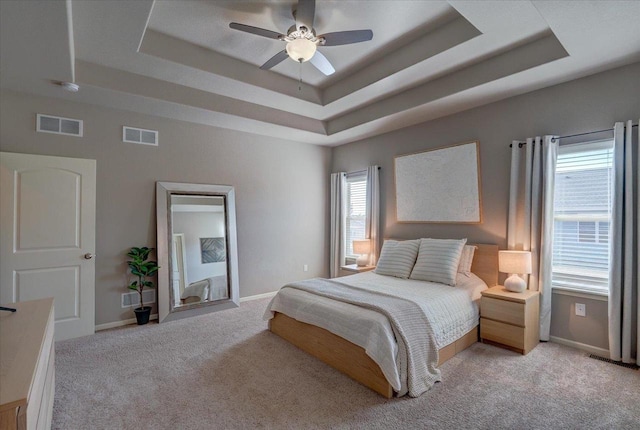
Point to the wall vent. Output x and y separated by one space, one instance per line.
617 363
140 136
132 299
58 125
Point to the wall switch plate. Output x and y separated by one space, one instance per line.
305 268
581 309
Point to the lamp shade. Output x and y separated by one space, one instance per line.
361 246
301 50
518 262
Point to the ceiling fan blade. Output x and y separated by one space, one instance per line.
305 14
256 30
346 37
275 60
322 64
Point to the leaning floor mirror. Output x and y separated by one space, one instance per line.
197 249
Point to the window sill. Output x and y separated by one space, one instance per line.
593 295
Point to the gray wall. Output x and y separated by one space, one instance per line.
281 189
591 103
589 329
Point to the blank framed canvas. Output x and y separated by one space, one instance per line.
440 185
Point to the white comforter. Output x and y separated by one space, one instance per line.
452 312
197 289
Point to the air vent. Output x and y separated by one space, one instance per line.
58 125
132 299
140 136
617 363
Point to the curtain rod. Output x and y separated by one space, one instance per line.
360 171
521 144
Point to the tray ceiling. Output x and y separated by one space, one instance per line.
180 59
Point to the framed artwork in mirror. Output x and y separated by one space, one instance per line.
212 250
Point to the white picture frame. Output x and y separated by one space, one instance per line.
441 185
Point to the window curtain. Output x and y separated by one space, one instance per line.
530 224
372 222
338 208
624 277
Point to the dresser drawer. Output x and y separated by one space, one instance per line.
505 334
503 310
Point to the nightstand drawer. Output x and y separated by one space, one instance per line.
505 334
502 310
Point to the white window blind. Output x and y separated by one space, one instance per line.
582 216
356 210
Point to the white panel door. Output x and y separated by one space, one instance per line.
47 236
179 263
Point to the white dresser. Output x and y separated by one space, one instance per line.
27 366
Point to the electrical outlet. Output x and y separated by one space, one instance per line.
305 268
581 309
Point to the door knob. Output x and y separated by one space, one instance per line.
88 256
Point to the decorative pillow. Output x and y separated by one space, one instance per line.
466 260
397 258
438 260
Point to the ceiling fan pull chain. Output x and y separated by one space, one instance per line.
300 81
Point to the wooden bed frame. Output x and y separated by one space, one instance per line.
352 359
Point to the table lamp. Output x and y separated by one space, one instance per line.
515 263
362 248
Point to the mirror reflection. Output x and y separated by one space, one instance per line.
199 250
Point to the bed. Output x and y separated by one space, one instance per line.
195 292
214 288
317 324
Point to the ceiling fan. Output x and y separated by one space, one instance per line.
302 40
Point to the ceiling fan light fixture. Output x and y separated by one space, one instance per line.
302 40
301 50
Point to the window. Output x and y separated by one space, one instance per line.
582 217
356 211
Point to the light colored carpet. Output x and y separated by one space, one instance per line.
225 371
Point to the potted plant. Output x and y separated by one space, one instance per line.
143 269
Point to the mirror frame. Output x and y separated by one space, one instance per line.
164 191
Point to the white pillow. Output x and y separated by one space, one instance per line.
438 260
466 260
397 258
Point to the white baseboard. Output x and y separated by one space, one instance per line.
601 352
258 296
115 324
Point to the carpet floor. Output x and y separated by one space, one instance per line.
226 371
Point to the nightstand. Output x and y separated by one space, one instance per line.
352 269
510 320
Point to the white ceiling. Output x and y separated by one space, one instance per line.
180 59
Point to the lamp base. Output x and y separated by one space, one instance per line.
515 283
362 260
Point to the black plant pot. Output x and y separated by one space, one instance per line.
142 314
